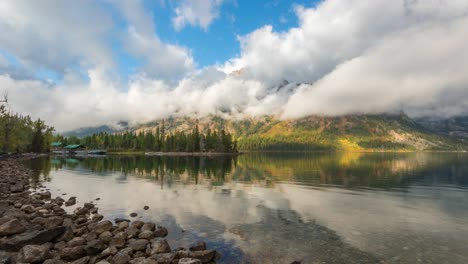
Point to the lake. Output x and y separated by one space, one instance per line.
284 207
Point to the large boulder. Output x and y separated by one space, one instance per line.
122 257
11 227
94 247
31 238
33 254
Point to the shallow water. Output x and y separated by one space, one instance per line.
277 208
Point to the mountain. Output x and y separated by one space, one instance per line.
454 126
350 132
86 131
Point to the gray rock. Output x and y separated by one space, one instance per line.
119 220
88 206
83 260
17 187
160 231
133 214
29 209
148 227
145 207
106 236
71 201
5 258
137 224
103 262
103 226
110 251
203 255
81 211
54 261
146 235
31 238
199 245
97 218
122 257
60 245
160 246
53 222
45 195
33 254
77 241
189 261
132 232
118 240
72 253
11 227
138 244
143 260
163 258
94 247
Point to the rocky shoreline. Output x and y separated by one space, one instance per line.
35 228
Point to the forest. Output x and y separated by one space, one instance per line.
19 134
160 141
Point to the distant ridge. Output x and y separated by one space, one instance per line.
383 132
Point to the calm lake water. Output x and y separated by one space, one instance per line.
277 208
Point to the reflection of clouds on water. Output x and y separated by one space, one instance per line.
258 206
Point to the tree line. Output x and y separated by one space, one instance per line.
160 141
19 134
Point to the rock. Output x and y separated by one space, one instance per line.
137 224
106 236
123 225
67 235
90 236
138 244
203 255
189 261
160 232
11 227
118 240
146 235
77 241
148 227
5 258
132 232
81 211
122 257
145 207
103 262
29 209
33 254
60 245
88 206
83 260
54 261
133 214
72 253
110 251
119 220
199 245
163 258
143 260
17 187
71 201
94 210
159 246
45 195
31 238
103 226
97 218
94 247
53 222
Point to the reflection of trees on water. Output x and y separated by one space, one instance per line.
351 170
40 171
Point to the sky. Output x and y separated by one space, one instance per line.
95 62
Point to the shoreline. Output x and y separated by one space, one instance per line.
198 154
35 228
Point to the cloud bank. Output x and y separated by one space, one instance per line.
365 56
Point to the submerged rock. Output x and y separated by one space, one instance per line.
199 245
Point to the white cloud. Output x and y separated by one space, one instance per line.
195 13
363 56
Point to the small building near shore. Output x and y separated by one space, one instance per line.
74 147
56 145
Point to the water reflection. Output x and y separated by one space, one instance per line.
276 208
